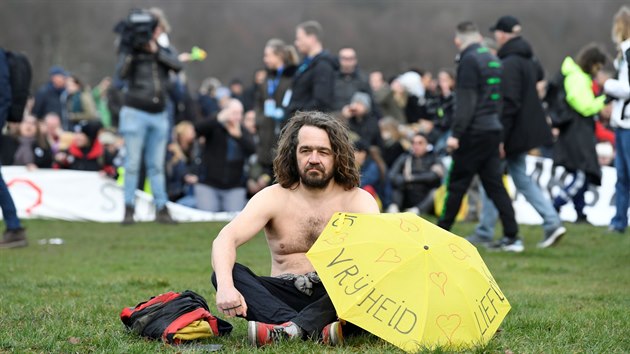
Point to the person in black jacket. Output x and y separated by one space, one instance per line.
221 186
144 119
14 236
415 176
524 127
476 135
29 148
314 81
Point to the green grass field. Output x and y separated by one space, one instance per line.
67 298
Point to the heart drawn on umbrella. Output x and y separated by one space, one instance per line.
389 256
336 239
458 252
448 324
408 226
439 279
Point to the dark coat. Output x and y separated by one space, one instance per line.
366 129
42 154
147 77
223 157
346 85
524 123
314 85
268 128
575 148
48 100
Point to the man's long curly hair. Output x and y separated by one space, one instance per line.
285 166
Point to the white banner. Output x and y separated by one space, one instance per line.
600 202
87 196
84 196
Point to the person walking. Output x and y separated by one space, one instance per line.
14 236
524 127
575 148
477 134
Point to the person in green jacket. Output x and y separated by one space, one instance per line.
575 148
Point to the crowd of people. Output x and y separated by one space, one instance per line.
314 135
213 149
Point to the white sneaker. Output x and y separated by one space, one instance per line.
413 210
392 208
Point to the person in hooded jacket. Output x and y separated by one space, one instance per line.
575 148
524 128
314 81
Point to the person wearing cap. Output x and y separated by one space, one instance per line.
360 119
51 97
524 128
477 134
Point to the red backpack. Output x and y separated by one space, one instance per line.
162 316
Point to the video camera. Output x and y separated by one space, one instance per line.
136 30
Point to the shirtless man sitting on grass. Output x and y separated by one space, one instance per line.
317 177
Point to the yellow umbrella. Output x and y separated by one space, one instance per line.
408 281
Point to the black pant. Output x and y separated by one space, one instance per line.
478 154
274 300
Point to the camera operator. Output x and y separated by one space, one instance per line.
144 65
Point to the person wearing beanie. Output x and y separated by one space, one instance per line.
86 152
360 119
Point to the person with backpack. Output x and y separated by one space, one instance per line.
14 236
575 147
620 119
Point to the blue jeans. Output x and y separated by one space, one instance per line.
9 213
148 133
215 199
622 187
516 167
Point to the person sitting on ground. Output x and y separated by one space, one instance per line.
415 176
29 148
317 177
86 153
371 179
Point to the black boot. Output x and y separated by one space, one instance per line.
128 220
162 216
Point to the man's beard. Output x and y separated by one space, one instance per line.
315 180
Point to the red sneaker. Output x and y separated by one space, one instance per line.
259 333
332 335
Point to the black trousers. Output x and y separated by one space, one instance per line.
274 300
478 154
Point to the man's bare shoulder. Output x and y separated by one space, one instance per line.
360 201
270 197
